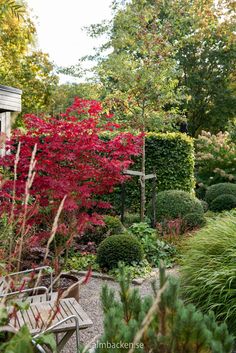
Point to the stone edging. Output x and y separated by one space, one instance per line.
103 276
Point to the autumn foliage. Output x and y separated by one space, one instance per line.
72 159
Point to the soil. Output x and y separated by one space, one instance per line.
64 282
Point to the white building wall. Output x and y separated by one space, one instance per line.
5 130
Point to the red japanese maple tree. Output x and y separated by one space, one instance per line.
72 159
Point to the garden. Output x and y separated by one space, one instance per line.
118 214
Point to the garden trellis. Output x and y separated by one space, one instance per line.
142 178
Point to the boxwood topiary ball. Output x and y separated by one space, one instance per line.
220 189
173 204
223 203
123 247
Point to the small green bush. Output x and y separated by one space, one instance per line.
96 234
223 203
123 247
193 220
219 189
173 204
208 270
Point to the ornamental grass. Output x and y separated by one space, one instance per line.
208 271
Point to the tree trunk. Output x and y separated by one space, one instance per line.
142 180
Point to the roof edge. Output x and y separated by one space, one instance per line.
10 89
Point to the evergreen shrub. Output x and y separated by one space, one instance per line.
223 202
194 220
160 323
219 189
173 204
119 248
208 269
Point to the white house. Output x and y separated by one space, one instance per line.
10 106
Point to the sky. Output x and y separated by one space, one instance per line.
59 26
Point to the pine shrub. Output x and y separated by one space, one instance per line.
223 202
219 189
173 204
208 270
119 248
170 326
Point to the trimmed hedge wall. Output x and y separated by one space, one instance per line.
171 155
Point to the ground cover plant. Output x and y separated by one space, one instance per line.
208 269
156 249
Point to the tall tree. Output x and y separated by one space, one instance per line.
206 54
21 65
64 94
163 47
139 75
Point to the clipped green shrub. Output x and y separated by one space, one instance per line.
96 234
223 203
219 189
193 220
171 156
208 270
173 204
123 247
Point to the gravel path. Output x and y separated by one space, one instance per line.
90 301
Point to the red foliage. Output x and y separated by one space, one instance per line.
73 160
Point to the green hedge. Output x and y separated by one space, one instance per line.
171 155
